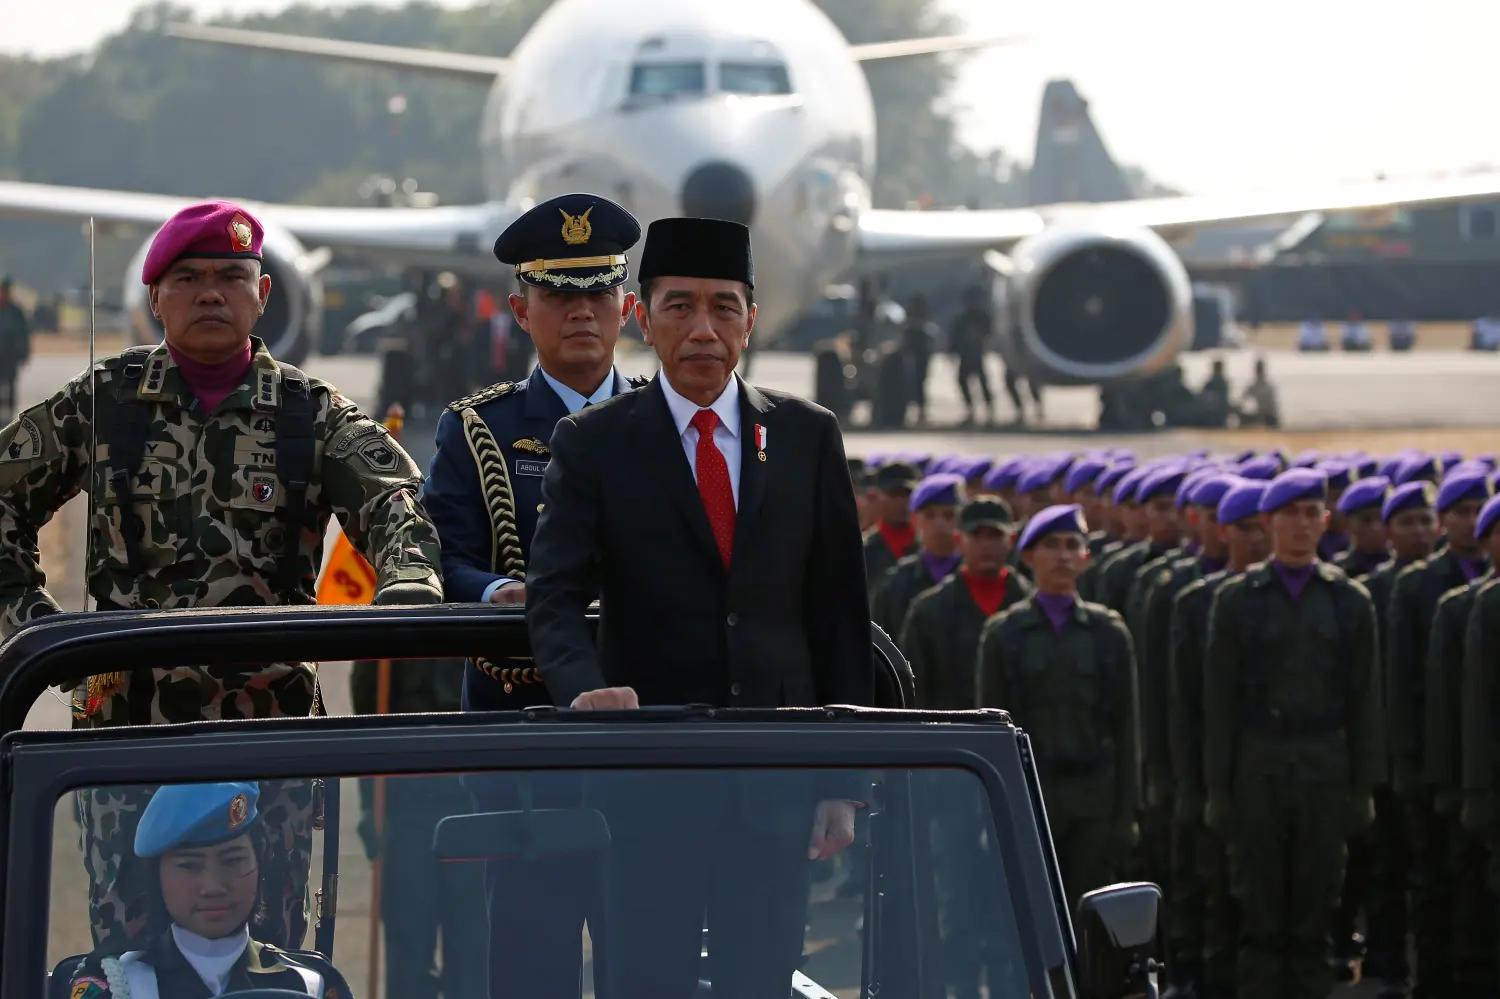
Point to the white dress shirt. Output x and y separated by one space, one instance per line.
726 434
574 401
213 960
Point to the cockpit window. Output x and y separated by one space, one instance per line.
754 78
667 79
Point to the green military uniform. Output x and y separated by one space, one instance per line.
892 596
1115 579
412 879
941 637
1481 733
1414 599
1292 751
1090 581
1074 691
1473 915
1203 922
879 559
208 512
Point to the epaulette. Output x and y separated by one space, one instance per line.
638 381
497 391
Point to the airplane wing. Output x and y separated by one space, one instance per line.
429 61
456 237
889 237
927 46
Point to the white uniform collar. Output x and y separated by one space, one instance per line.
726 406
211 959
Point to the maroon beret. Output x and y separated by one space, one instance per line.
215 229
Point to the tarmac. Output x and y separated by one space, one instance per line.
1380 401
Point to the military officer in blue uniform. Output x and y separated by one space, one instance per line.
485 485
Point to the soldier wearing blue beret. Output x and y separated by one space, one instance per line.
1293 743
1415 596
1369 543
934 508
1064 669
1203 931
1108 537
206 847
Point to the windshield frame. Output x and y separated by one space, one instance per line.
42 766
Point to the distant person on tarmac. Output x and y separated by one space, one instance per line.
1258 406
917 343
1311 338
15 347
967 339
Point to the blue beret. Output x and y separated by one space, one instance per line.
1464 484
1241 500
1419 494
1068 517
1293 485
1083 473
1161 481
1111 476
1128 484
1190 483
195 815
1005 474
1244 456
1210 489
1486 459
1366 492
944 488
1418 466
575 241
1338 473
1488 515
917 458
1263 467
945 463
1364 467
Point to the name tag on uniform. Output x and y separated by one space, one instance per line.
530 467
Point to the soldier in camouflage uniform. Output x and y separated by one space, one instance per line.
1292 741
1203 927
1473 917
1414 601
193 505
934 505
1064 669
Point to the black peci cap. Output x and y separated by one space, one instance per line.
699 248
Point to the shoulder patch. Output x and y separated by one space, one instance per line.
25 443
352 434
88 987
379 454
497 391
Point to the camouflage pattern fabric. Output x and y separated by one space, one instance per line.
207 494
119 897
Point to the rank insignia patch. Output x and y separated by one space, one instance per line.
240 233
263 490
27 442
379 455
577 229
532 445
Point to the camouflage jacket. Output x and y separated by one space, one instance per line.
207 493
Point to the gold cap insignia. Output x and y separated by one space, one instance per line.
240 233
577 229
239 811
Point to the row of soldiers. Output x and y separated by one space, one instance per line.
1264 682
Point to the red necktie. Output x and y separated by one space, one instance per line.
713 483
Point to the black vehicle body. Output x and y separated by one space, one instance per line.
38 767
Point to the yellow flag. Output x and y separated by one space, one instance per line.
348 578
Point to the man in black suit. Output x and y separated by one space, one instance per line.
716 522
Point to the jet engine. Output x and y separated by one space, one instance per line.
1085 306
294 314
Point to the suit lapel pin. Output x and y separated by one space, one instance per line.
760 442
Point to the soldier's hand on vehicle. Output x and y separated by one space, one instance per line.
833 828
1218 813
509 593
1478 814
1361 812
607 699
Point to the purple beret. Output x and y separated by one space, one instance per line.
1418 466
1487 517
1068 517
1005 474
1038 475
1464 484
1128 484
1161 481
944 488
1338 473
214 229
1306 459
1083 473
1211 489
1487 459
1366 492
1241 501
1111 476
1450 457
974 468
1244 456
1263 467
945 463
1293 485
1190 483
1364 467
1419 494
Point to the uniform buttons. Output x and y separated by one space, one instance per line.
735 690
732 620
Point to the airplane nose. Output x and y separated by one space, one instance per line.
719 191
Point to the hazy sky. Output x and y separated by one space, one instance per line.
1208 95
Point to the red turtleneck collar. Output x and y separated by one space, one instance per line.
212 383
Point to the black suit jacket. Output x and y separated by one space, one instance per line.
622 520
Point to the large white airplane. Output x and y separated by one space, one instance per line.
756 111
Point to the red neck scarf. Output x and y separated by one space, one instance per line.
212 383
988 594
898 537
